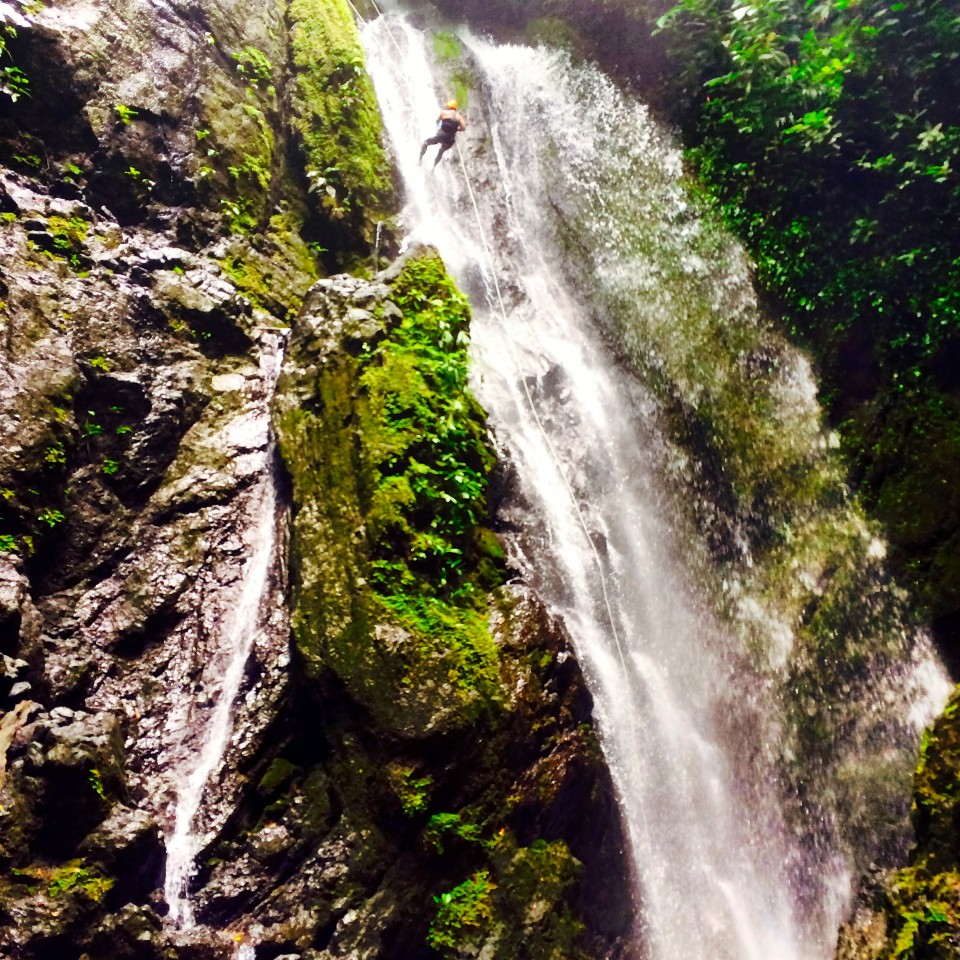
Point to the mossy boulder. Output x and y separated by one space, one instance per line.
473 839
456 751
389 459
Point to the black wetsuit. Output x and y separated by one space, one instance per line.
445 136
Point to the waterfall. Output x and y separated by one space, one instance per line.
565 219
235 637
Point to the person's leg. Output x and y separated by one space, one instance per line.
429 142
445 145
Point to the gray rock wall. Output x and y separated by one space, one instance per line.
155 222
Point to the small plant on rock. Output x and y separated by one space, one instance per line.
13 81
255 67
96 781
55 453
464 914
50 516
125 114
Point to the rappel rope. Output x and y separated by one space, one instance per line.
526 389
536 416
357 13
557 462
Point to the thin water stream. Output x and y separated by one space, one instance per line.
728 865
224 673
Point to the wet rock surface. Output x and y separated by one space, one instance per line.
410 795
154 219
913 912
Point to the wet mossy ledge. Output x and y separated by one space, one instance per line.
387 449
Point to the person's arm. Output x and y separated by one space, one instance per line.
462 122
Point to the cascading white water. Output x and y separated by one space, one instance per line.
235 640
690 726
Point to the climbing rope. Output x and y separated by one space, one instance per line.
557 462
386 23
526 389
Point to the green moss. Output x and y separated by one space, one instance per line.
275 273
278 773
446 46
531 901
73 877
254 64
921 902
448 51
336 116
285 235
442 827
67 240
247 278
71 230
464 915
426 463
236 158
454 642
514 909
924 914
937 783
422 426
487 543
390 463
412 791
251 174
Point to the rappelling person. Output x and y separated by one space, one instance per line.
451 123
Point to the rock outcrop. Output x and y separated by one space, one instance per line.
412 769
915 912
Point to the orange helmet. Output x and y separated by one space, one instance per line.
451 104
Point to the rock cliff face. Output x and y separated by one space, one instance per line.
915 912
400 781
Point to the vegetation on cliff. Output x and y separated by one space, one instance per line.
827 135
407 484
914 912
336 118
398 603
413 784
830 136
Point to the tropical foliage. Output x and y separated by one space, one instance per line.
828 133
14 83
